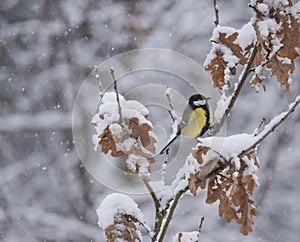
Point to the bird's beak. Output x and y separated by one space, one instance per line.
207 98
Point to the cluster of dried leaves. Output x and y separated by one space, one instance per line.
141 144
276 29
124 228
129 137
231 182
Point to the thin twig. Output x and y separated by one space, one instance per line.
145 226
97 76
153 195
164 167
216 127
274 126
171 110
200 226
216 13
112 72
259 126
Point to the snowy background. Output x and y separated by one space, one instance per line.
48 47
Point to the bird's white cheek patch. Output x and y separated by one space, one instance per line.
199 102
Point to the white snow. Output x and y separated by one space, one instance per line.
227 146
168 91
114 204
109 111
246 36
264 8
222 105
134 160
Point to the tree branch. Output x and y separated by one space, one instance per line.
216 13
153 195
200 226
273 125
112 72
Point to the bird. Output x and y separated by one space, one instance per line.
196 119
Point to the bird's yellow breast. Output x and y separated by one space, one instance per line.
195 124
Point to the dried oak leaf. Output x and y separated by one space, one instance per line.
281 70
213 191
217 68
229 42
233 190
199 152
290 31
257 81
197 180
246 209
123 229
107 142
141 131
226 210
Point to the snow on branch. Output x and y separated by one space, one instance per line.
133 139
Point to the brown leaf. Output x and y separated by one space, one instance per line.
233 190
192 183
225 209
107 143
123 229
281 71
213 192
217 68
199 152
257 81
291 40
260 56
229 42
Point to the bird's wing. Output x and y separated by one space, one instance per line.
185 118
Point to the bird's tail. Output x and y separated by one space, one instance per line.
167 146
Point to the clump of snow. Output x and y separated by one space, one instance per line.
138 163
227 146
222 105
129 108
116 204
109 112
246 36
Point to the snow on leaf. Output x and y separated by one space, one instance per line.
118 216
132 138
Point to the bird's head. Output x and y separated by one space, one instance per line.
198 100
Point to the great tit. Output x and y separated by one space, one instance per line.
196 119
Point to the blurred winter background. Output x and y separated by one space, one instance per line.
48 47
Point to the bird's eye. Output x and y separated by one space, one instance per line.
199 102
